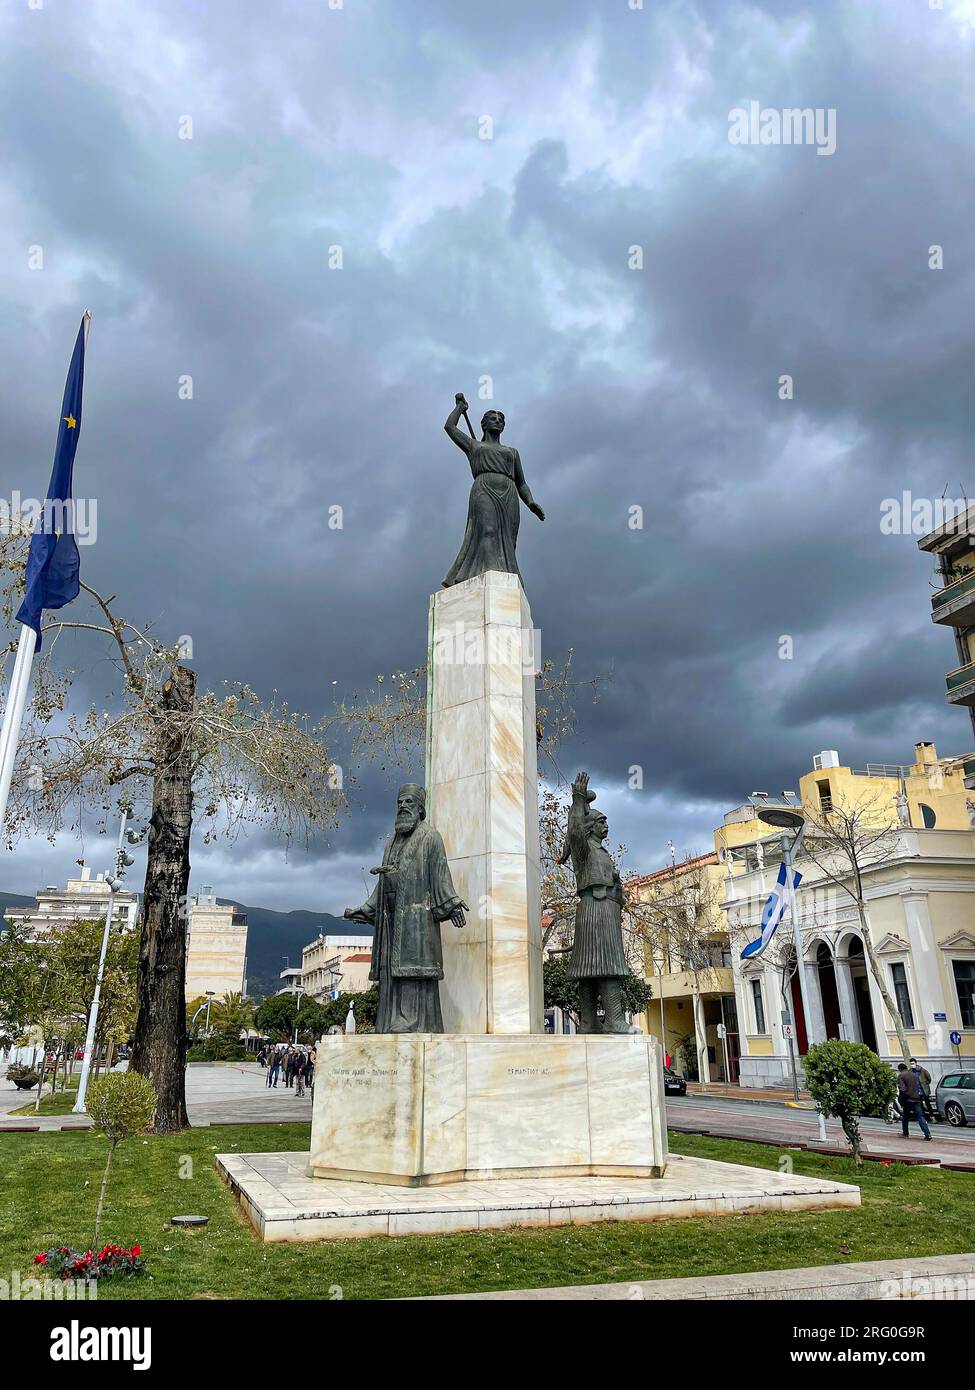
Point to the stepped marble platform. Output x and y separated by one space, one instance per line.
284 1204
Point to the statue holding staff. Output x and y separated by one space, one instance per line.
494 509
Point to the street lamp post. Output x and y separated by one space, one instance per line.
122 862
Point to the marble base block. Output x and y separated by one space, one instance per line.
420 1109
482 796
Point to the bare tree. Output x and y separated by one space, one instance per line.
675 915
228 758
846 842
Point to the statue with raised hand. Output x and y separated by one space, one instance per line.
494 509
598 961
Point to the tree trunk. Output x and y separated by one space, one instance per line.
101 1196
877 974
851 1128
159 1038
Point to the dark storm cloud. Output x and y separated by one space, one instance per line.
506 257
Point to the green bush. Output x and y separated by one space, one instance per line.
847 1080
218 1049
121 1104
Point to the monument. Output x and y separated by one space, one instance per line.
459 1101
478 1089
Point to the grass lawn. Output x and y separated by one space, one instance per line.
58 1104
49 1188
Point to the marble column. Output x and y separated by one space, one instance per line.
816 1025
849 1017
482 796
701 1041
929 992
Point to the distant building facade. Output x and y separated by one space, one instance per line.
688 966
920 905
953 604
85 899
216 950
332 965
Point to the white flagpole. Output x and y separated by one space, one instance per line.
13 715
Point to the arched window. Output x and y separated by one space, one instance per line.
928 816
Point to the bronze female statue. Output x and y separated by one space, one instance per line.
494 512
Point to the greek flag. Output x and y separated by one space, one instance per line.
773 912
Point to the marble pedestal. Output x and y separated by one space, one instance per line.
482 796
424 1109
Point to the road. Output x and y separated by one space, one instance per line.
235 1093
747 1119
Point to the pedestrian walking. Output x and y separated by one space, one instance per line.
924 1077
274 1068
909 1094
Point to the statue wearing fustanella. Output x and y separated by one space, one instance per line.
598 961
414 893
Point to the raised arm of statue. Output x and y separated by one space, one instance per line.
460 438
576 829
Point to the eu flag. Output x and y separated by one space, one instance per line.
53 563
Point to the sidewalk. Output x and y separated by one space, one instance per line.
720 1090
219 1093
925 1277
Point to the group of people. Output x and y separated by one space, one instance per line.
914 1097
292 1061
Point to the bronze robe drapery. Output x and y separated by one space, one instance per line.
410 900
493 512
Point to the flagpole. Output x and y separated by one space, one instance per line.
13 715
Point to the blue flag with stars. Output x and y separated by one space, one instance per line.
53 563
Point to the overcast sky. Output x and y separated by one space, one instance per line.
510 257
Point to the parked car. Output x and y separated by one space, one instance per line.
955 1097
674 1083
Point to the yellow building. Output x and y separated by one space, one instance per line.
216 948
920 908
688 964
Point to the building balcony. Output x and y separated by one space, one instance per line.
955 604
679 984
961 685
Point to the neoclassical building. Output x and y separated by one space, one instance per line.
919 900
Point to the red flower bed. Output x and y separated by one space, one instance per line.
111 1262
